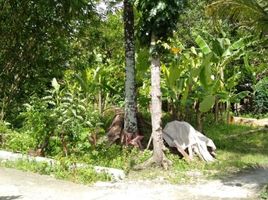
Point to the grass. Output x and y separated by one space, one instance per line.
236 151
61 171
240 150
264 193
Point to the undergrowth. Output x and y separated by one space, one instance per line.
264 193
237 149
85 175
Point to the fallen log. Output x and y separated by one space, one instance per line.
249 121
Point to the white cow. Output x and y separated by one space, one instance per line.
182 135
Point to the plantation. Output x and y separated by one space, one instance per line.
68 68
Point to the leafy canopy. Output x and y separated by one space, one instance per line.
158 18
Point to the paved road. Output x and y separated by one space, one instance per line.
19 185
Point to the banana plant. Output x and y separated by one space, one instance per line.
230 95
180 77
217 54
97 84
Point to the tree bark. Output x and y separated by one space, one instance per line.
156 112
228 112
216 114
100 101
199 124
130 120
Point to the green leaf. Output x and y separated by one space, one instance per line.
97 74
223 96
238 44
143 60
66 121
203 45
174 75
232 81
205 72
82 82
216 86
207 103
217 46
237 97
193 50
55 84
185 95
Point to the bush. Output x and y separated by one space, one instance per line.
61 122
261 96
15 141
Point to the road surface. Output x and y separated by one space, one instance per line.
19 185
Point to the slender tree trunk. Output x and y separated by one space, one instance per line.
130 120
199 125
156 112
216 114
228 112
100 101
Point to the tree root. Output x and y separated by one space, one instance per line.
151 162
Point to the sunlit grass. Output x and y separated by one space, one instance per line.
237 149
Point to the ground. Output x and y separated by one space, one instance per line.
15 184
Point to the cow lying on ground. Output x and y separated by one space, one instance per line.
184 137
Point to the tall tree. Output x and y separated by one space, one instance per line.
130 120
158 20
34 40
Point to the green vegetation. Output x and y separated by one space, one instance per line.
62 171
236 151
264 193
63 75
261 96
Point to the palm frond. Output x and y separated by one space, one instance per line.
251 12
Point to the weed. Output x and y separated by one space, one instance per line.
85 175
264 193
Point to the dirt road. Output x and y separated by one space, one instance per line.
15 184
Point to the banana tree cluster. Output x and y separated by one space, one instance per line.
198 76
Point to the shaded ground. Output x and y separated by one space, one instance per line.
15 184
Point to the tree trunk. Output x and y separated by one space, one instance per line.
228 112
156 111
130 120
100 101
216 114
199 124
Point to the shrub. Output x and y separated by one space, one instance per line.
15 141
261 96
64 118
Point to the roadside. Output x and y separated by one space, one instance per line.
15 184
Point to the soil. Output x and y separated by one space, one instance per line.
15 184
